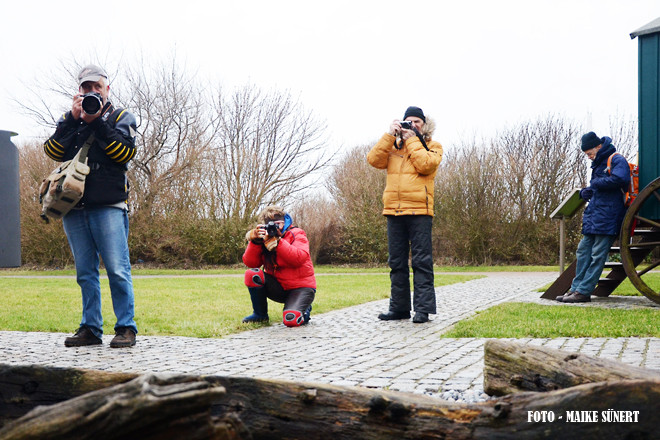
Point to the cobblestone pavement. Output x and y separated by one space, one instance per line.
346 347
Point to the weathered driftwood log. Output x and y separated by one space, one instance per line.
511 367
268 409
148 407
24 387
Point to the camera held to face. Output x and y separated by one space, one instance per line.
92 103
272 230
406 125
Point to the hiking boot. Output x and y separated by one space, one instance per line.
391 316
124 337
560 298
84 336
420 317
576 298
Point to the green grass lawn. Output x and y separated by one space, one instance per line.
626 288
190 303
527 320
182 306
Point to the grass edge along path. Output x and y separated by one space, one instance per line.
528 320
177 306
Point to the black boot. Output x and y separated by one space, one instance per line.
259 305
420 317
391 316
307 314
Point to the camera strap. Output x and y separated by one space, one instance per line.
419 136
421 139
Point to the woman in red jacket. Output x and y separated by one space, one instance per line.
282 249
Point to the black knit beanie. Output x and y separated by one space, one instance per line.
414 111
590 140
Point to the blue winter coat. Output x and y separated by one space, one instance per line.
606 209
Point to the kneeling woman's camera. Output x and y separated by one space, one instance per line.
92 103
272 230
406 125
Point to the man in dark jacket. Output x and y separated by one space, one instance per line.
98 225
602 218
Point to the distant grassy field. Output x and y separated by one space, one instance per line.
320 269
202 305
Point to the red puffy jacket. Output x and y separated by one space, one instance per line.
293 265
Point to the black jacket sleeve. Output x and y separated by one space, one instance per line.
116 135
62 139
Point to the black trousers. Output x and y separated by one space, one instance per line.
408 234
294 299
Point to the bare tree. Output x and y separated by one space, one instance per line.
494 197
625 135
543 163
174 130
357 189
266 149
49 94
317 215
470 205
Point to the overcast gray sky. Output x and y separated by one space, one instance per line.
475 66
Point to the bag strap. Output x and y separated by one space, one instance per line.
82 155
609 163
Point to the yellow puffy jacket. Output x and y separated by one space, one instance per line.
410 173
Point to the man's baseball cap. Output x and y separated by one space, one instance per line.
91 73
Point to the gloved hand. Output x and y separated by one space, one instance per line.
271 243
586 193
255 235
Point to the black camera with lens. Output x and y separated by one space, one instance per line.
406 125
272 229
92 103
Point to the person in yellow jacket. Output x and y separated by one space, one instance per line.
411 158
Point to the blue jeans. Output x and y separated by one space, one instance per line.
591 257
102 231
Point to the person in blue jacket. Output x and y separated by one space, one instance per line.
603 216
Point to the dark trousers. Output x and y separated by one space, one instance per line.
406 234
294 299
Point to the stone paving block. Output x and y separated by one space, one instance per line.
376 382
406 387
